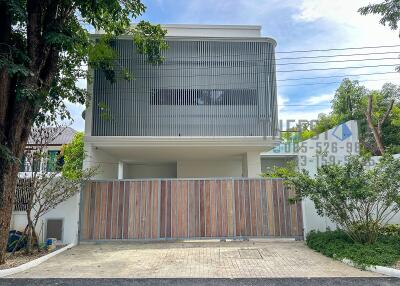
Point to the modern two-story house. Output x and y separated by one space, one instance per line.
208 111
191 131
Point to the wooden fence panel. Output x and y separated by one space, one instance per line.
156 209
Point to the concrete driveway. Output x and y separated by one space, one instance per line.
192 260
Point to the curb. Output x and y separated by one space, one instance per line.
377 269
33 263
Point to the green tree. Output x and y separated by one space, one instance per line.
388 10
348 101
284 172
379 113
43 45
74 154
346 105
351 102
360 200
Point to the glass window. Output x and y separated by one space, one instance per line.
53 161
204 97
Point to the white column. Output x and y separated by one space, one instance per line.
121 170
87 161
88 111
251 164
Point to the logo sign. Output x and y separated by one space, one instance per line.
342 132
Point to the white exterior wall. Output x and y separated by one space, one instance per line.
212 30
310 160
68 211
209 168
19 221
218 31
140 171
251 165
108 164
396 218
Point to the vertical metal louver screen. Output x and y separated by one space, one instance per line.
204 88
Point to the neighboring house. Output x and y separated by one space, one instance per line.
53 223
208 111
53 160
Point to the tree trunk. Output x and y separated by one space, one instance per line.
376 130
18 113
35 237
8 182
15 125
28 248
377 136
32 237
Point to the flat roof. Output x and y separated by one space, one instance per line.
189 30
212 26
208 31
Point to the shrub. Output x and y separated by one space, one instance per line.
289 170
74 155
358 199
390 229
337 244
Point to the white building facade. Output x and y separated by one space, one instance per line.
208 111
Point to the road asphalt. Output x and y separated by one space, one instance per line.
379 281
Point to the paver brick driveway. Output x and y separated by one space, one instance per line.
192 259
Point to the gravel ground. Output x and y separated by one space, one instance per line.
20 258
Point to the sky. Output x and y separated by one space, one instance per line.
296 25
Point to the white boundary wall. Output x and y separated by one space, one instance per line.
68 211
334 146
375 159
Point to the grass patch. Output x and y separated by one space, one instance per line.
336 244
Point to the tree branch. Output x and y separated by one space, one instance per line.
376 131
387 113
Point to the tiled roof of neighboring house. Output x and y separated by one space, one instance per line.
64 138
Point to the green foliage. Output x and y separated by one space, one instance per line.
350 103
388 10
359 199
47 78
104 111
102 56
390 229
74 154
289 170
150 41
337 244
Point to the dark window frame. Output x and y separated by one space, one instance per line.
224 97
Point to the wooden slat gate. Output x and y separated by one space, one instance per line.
157 209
